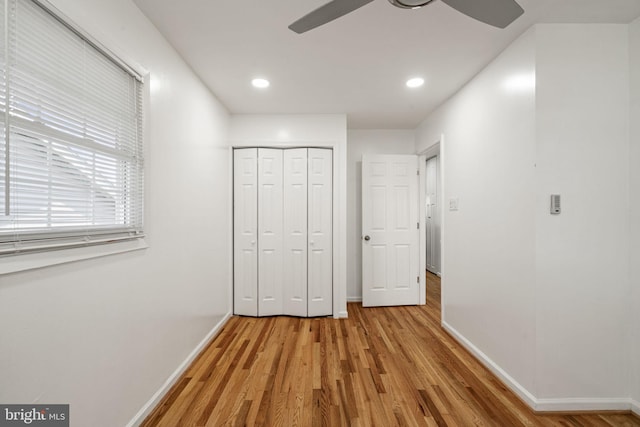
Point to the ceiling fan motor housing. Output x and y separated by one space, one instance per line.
409 4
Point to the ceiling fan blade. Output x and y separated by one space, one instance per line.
326 13
499 13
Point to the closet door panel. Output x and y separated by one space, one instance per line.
295 232
245 230
320 242
270 238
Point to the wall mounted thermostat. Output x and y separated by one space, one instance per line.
555 204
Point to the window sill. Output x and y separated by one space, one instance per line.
30 261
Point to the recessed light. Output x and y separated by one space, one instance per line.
260 83
415 82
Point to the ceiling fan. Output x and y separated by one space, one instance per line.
498 13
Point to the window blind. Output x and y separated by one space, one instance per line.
71 164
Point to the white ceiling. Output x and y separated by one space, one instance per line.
357 64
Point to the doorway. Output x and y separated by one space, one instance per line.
432 215
431 221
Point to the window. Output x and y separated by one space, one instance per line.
71 165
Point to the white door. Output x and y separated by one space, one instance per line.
433 242
320 274
295 232
245 224
283 208
270 239
390 250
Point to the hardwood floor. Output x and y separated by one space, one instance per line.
433 291
381 367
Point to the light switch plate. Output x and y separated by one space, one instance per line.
453 204
555 204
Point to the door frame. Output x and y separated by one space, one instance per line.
437 149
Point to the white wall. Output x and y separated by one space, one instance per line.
324 130
634 192
103 335
582 263
488 158
544 299
361 142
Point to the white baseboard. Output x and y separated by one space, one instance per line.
354 299
342 315
582 404
175 376
544 405
516 387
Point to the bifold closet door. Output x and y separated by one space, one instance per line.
270 237
283 232
245 232
320 232
295 232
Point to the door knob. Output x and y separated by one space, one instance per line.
367 238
